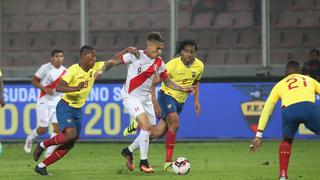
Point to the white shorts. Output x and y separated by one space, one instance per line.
136 107
45 114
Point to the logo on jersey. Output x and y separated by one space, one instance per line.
194 74
155 67
252 109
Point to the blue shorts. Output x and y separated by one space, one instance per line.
168 105
68 117
307 113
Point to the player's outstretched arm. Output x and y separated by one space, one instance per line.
117 58
65 88
169 83
264 118
36 82
2 102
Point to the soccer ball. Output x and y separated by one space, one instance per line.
181 166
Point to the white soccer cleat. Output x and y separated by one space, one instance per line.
28 146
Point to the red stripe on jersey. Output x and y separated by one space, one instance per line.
141 78
54 84
121 58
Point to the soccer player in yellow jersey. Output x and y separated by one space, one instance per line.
185 70
2 102
76 86
297 93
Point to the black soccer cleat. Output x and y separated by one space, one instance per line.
37 152
41 171
128 156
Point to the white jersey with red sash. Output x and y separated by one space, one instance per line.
141 72
49 77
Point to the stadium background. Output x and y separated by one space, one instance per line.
244 45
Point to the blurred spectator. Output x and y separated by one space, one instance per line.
256 11
204 6
312 66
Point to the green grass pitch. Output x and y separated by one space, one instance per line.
209 161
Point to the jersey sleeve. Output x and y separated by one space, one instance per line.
40 74
268 108
162 71
127 58
69 75
98 65
274 94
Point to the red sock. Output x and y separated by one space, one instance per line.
170 142
284 156
58 139
57 154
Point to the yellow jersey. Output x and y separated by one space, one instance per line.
293 89
75 76
183 76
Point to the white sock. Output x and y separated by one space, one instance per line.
135 145
41 165
33 135
51 148
42 145
144 143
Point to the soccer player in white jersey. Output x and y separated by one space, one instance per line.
46 79
2 102
143 66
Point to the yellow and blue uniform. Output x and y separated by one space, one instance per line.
171 100
69 111
297 93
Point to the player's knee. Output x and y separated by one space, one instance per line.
156 133
71 135
174 127
146 127
42 130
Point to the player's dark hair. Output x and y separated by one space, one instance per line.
183 43
293 67
53 52
86 48
315 50
293 64
155 36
